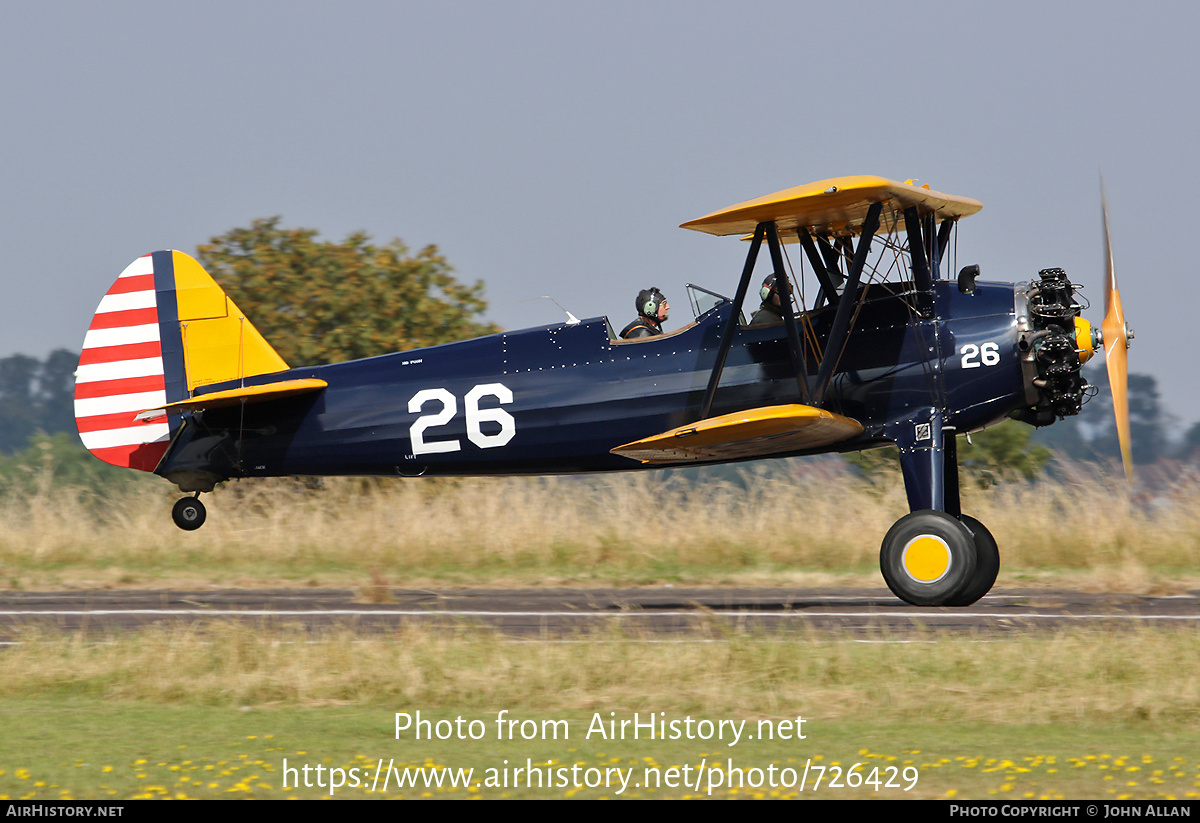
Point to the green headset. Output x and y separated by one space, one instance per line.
768 288
648 301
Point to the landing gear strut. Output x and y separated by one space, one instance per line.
189 513
935 556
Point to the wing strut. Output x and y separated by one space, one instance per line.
840 330
943 240
929 238
922 277
760 231
799 366
825 269
770 232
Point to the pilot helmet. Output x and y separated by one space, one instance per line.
648 301
768 287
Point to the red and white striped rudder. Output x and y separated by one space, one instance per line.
121 373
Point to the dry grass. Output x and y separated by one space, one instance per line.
773 527
1071 677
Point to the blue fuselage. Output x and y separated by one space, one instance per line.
556 399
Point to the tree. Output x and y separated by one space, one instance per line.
1004 451
1001 452
1065 438
18 417
322 302
35 396
1191 443
1147 426
56 392
53 460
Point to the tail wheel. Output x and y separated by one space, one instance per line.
189 513
987 564
928 558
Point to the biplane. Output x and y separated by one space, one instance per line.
875 344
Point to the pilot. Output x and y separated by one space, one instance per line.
653 310
770 310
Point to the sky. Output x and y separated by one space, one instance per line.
552 148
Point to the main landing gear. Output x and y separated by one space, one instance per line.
936 555
931 558
189 513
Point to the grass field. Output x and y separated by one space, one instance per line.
134 751
808 523
215 714
183 713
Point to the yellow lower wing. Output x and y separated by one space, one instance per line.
751 433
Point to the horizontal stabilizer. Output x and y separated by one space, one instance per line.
752 433
230 397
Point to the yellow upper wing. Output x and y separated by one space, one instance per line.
835 206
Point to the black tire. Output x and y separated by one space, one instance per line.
189 513
928 558
987 564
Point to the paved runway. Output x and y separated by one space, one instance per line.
661 612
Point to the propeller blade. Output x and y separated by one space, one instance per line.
1116 347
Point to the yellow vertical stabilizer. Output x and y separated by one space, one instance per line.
219 341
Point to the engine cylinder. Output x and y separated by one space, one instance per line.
1051 359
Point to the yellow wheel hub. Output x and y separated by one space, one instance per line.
926 558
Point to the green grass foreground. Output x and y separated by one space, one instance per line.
183 714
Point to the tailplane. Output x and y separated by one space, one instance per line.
162 330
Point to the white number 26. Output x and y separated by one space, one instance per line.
476 417
975 356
